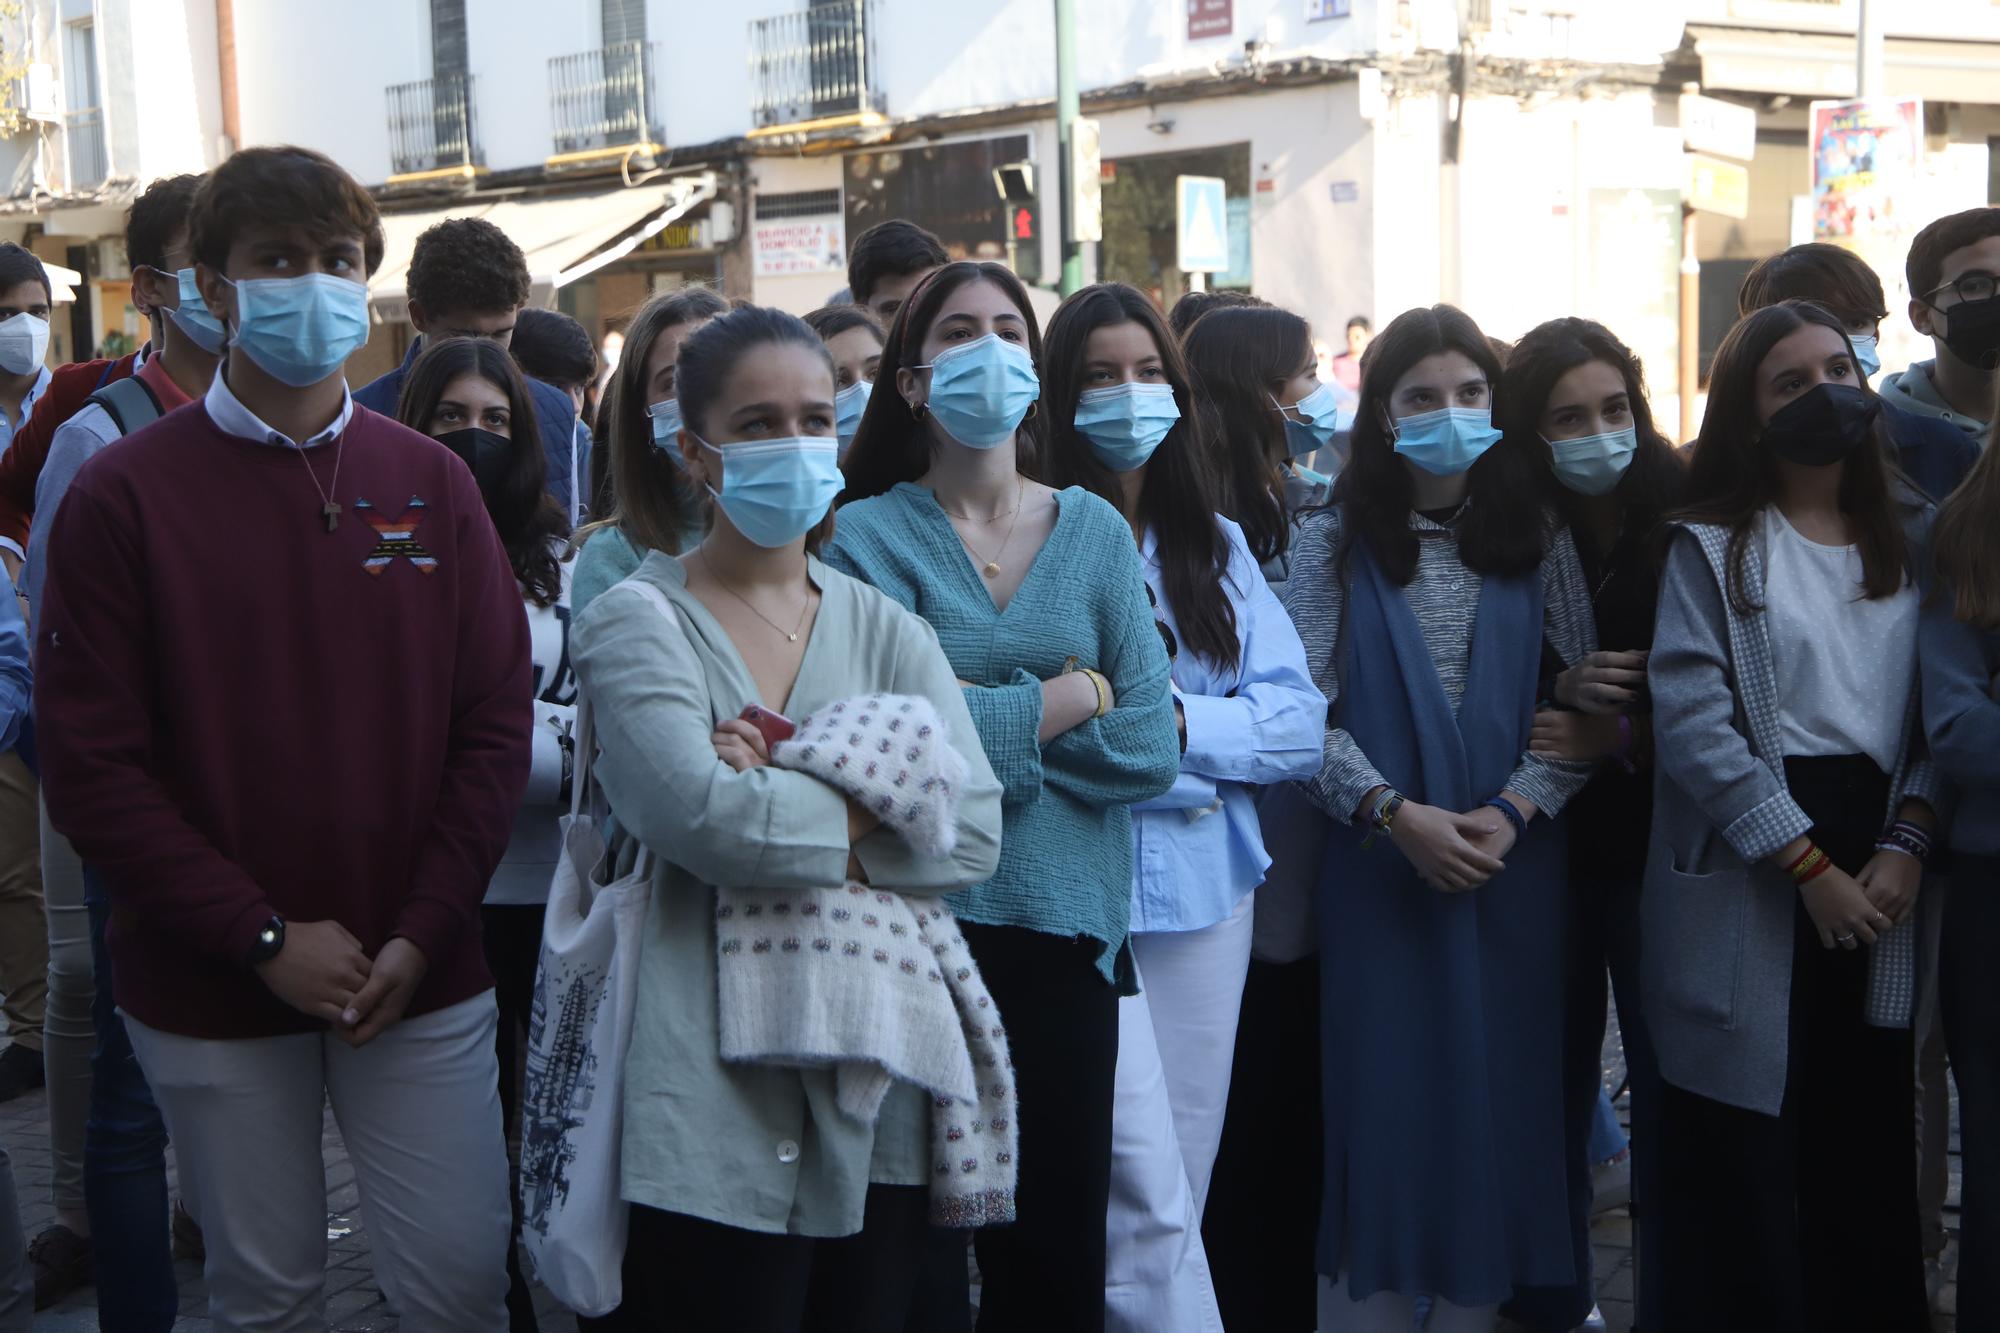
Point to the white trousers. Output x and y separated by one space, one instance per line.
419 1111
1176 1045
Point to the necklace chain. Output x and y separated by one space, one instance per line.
990 567
329 509
791 635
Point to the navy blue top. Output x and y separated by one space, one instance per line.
555 417
1933 453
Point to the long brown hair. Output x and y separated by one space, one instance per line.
1732 477
1504 529
1240 357
1174 502
1653 483
528 521
893 444
1963 551
653 503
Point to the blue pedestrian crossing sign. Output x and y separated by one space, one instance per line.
1202 225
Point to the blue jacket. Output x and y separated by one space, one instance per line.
16 726
555 416
1932 452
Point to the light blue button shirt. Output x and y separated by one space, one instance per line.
28 401
1198 849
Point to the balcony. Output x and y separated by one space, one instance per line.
813 67
603 101
432 130
83 132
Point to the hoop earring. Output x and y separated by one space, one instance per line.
918 411
1033 408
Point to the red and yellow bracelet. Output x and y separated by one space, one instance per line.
1812 863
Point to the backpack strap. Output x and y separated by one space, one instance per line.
130 402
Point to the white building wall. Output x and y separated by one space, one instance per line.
166 112
302 79
511 75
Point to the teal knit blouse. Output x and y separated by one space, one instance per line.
1066 836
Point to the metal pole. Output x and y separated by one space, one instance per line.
1690 368
1067 107
1868 50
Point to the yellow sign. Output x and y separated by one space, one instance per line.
1715 186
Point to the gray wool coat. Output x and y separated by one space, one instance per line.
1717 918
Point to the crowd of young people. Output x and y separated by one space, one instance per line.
1132 668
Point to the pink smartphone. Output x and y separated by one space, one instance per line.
774 726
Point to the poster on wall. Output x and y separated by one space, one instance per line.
791 247
1328 9
1866 157
1210 18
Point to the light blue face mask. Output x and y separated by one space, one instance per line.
1593 464
774 491
1446 442
192 318
848 405
300 330
981 390
1126 422
1321 424
1866 351
666 418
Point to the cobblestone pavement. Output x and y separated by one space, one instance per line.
355 1303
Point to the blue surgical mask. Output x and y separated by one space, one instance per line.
1126 422
848 405
192 318
1593 464
1322 422
300 330
666 417
1866 352
1446 442
774 491
981 390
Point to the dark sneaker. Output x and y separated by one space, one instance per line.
20 1072
62 1264
188 1243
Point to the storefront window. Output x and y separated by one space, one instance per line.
949 188
1139 219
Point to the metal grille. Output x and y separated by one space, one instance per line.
431 124
604 98
809 65
85 132
798 204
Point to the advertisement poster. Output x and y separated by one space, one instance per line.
1866 157
791 246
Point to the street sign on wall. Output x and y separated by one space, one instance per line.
1715 186
1711 125
1210 18
1201 224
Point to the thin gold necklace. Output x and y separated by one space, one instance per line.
790 637
990 567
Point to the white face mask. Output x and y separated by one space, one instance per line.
24 342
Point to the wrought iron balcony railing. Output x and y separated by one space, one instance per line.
813 65
604 98
432 125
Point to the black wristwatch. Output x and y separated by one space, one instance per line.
269 940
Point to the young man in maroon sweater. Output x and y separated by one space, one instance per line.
284 681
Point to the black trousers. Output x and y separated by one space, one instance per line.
1969 990
1804 1222
686 1275
1262 1220
512 937
1045 1273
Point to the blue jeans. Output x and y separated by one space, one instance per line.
1607 1136
124 1165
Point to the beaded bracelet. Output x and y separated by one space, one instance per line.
1908 838
1506 807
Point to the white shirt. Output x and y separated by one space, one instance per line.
226 410
530 861
1845 665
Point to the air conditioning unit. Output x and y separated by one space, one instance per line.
108 261
41 96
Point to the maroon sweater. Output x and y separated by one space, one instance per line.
241 713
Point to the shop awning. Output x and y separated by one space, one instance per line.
563 238
1821 65
63 282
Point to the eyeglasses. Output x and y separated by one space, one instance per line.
1969 286
1173 645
